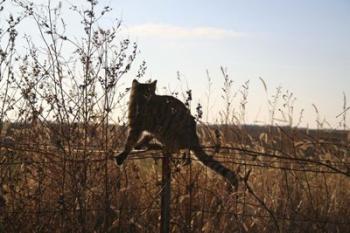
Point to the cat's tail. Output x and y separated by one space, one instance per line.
216 166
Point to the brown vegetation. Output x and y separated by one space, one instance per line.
47 191
62 117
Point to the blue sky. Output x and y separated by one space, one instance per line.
300 45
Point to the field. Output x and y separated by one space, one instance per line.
300 176
63 115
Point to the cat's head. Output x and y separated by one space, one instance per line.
144 90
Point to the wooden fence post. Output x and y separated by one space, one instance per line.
165 194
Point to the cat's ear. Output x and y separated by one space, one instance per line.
154 83
135 83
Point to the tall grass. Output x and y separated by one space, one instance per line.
59 130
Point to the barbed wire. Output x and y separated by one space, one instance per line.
307 164
222 149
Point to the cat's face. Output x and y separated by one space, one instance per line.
144 90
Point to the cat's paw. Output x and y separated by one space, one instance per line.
119 159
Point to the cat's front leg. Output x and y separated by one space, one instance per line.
133 137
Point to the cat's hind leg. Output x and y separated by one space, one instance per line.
144 142
147 144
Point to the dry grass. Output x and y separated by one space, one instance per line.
97 196
62 112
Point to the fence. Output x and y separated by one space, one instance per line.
244 159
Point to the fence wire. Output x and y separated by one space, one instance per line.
227 155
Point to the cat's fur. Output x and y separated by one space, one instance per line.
170 122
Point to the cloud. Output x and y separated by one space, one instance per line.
171 31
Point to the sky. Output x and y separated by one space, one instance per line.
301 46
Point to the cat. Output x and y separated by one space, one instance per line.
169 121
